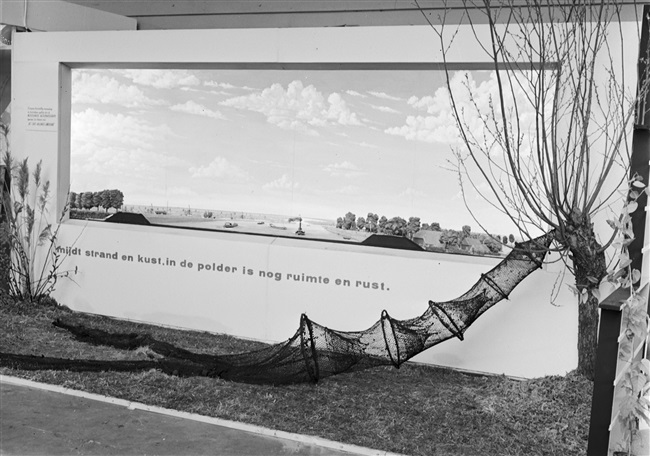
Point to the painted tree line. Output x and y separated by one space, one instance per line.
398 226
106 199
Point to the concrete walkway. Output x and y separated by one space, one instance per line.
38 419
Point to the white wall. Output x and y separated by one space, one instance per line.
526 336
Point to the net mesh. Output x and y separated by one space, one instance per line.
314 351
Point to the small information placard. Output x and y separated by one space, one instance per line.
41 118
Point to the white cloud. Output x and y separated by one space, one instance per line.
431 104
93 88
473 100
282 183
384 96
439 126
221 93
161 79
108 166
339 112
368 145
428 129
222 169
94 127
226 86
297 107
94 163
221 85
192 107
105 145
354 93
385 109
344 169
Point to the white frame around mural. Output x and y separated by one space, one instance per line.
368 48
256 306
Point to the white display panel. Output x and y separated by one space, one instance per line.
526 336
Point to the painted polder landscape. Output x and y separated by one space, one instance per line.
340 155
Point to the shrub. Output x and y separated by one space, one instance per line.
4 238
83 214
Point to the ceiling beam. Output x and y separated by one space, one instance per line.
144 8
204 14
55 15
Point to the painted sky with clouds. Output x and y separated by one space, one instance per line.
315 143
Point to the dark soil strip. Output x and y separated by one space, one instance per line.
31 362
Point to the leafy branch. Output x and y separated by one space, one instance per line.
634 406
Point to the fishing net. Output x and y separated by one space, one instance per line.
314 351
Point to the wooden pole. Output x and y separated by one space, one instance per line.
640 159
605 373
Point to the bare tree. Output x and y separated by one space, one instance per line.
548 132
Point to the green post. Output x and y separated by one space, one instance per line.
610 317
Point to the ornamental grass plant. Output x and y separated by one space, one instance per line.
29 258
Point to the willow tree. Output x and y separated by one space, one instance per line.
546 136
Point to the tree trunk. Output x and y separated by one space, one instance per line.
587 336
589 267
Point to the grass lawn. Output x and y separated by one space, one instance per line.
416 410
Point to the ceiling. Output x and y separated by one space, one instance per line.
192 14
203 14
